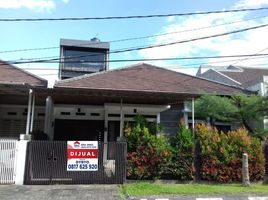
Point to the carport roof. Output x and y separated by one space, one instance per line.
145 78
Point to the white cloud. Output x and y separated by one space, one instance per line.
171 18
248 42
36 5
251 3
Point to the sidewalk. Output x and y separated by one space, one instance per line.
54 192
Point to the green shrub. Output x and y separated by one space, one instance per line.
182 160
221 154
148 154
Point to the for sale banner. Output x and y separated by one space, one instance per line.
82 155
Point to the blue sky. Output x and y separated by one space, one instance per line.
25 35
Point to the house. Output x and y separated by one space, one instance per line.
252 79
95 106
113 96
91 107
15 84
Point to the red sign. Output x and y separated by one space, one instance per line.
82 153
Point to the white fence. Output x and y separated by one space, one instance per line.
7 161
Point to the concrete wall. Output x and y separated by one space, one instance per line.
262 88
258 87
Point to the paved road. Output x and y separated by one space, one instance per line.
55 192
95 192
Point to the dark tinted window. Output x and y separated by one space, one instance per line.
81 59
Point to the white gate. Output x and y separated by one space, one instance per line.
7 161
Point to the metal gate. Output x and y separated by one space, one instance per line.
7 161
47 164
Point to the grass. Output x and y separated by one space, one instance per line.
149 188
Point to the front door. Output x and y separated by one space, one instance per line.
69 129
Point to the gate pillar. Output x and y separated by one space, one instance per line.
21 159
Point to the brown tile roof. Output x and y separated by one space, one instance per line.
245 76
10 74
147 78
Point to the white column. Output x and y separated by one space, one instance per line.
262 89
185 119
121 119
29 112
193 120
48 117
21 161
158 123
32 116
158 118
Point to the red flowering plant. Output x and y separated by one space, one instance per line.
148 154
221 154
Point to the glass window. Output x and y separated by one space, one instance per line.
87 61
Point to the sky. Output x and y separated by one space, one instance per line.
42 34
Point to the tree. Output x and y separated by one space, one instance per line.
239 108
215 108
249 109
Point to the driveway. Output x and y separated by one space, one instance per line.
65 192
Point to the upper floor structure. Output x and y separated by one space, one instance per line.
79 57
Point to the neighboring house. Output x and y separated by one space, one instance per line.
12 75
252 79
14 90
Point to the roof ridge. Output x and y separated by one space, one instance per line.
219 72
145 65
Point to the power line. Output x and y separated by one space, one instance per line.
137 38
259 56
249 58
184 66
196 39
150 46
187 30
147 47
160 59
217 62
130 17
168 67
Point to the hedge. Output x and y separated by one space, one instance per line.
221 154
